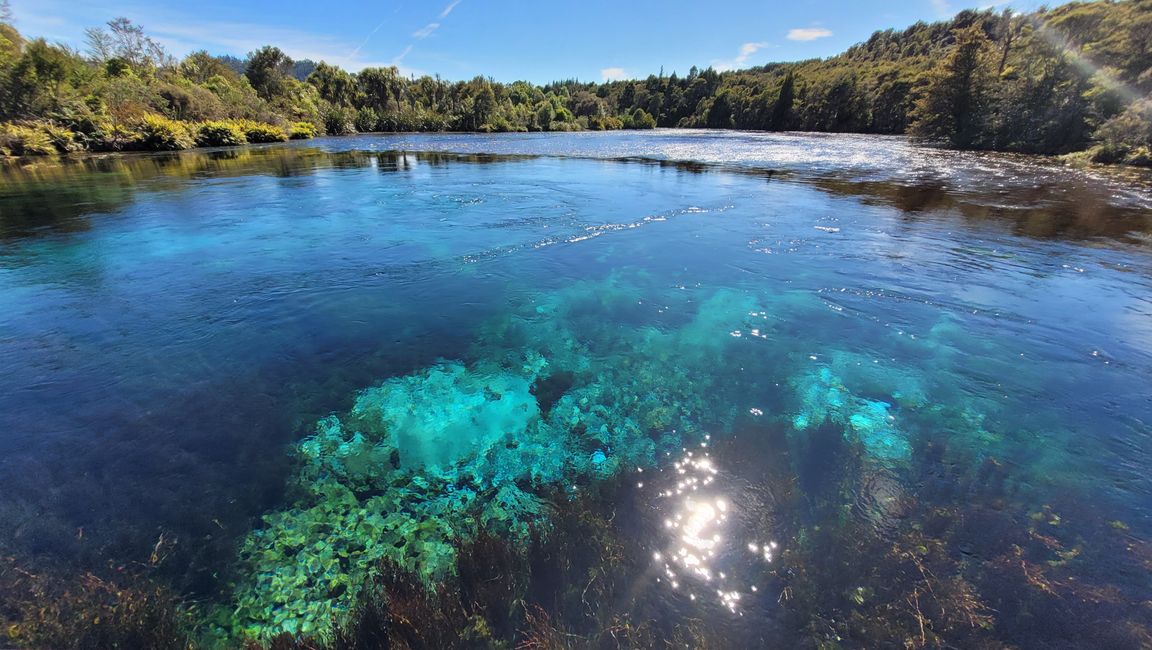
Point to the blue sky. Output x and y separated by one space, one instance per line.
537 40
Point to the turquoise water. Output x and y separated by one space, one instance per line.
810 389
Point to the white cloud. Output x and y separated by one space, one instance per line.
400 57
421 34
943 9
614 74
426 31
746 51
808 33
449 8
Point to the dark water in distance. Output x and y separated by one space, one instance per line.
977 328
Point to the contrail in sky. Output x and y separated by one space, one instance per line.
422 33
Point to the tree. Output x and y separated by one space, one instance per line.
720 112
302 68
544 116
125 40
5 12
483 105
382 88
889 98
236 64
11 43
952 109
334 85
984 79
201 66
642 120
586 104
268 69
781 116
35 83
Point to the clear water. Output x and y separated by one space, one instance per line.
883 360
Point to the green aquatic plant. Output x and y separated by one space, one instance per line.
437 416
421 463
824 398
362 505
561 400
44 607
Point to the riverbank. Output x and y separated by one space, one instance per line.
155 133
148 132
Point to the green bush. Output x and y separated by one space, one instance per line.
107 136
1140 157
220 134
158 133
605 123
1132 128
62 139
639 119
339 121
562 114
429 121
1108 153
20 140
367 120
261 132
187 101
302 131
1112 153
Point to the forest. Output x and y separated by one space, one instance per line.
1075 79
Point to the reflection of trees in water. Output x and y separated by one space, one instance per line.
58 196
1048 210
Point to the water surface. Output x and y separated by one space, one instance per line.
869 348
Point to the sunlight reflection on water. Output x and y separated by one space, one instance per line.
701 552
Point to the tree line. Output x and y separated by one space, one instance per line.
1074 78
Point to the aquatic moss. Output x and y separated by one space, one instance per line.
396 490
442 414
824 398
577 388
425 461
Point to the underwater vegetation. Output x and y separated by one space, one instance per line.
42 608
574 397
422 462
620 465
825 399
